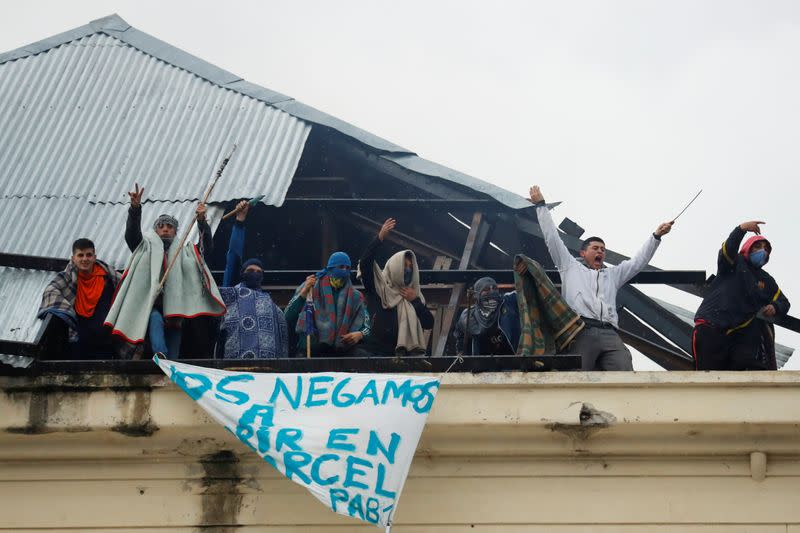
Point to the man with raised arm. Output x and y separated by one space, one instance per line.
254 327
142 306
733 326
590 288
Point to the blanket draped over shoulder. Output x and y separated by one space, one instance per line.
388 282
332 319
254 326
189 292
59 295
547 323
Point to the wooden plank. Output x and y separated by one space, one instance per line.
477 238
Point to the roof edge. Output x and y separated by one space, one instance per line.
115 26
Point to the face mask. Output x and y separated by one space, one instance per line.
489 301
759 258
167 241
408 276
252 280
340 273
337 283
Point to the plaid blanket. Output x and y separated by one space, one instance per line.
548 324
334 319
59 295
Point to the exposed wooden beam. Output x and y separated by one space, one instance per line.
477 239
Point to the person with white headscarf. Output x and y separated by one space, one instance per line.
395 301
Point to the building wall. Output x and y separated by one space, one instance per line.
506 452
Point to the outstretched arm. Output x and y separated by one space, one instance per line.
726 258
558 250
625 270
368 256
233 259
133 226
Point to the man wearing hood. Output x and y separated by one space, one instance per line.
164 334
395 301
590 288
491 325
254 327
733 326
335 318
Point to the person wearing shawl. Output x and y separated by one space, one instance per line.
394 299
493 322
339 317
139 309
254 327
79 299
733 325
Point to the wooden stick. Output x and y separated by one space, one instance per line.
252 202
191 225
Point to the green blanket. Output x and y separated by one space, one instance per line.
190 291
548 324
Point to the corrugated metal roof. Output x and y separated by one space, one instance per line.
48 226
116 27
90 117
20 296
782 353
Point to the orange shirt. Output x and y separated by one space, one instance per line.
90 288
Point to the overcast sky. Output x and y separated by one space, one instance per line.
622 110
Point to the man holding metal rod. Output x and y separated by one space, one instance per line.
590 288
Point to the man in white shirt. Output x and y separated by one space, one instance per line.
590 288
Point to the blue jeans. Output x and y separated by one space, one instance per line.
164 340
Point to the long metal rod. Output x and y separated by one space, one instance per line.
687 205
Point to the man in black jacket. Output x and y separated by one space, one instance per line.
733 326
394 299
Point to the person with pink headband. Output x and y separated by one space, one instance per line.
733 326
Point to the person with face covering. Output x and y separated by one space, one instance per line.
340 318
395 301
590 288
254 327
492 322
190 287
733 325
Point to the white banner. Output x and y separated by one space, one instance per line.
348 438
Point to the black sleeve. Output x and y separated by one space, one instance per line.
781 303
726 259
423 314
133 227
207 238
365 265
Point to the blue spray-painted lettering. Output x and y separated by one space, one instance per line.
379 490
370 391
336 399
314 391
426 395
288 437
317 465
355 508
280 387
294 462
400 392
374 445
372 510
338 495
239 397
195 391
337 439
351 472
